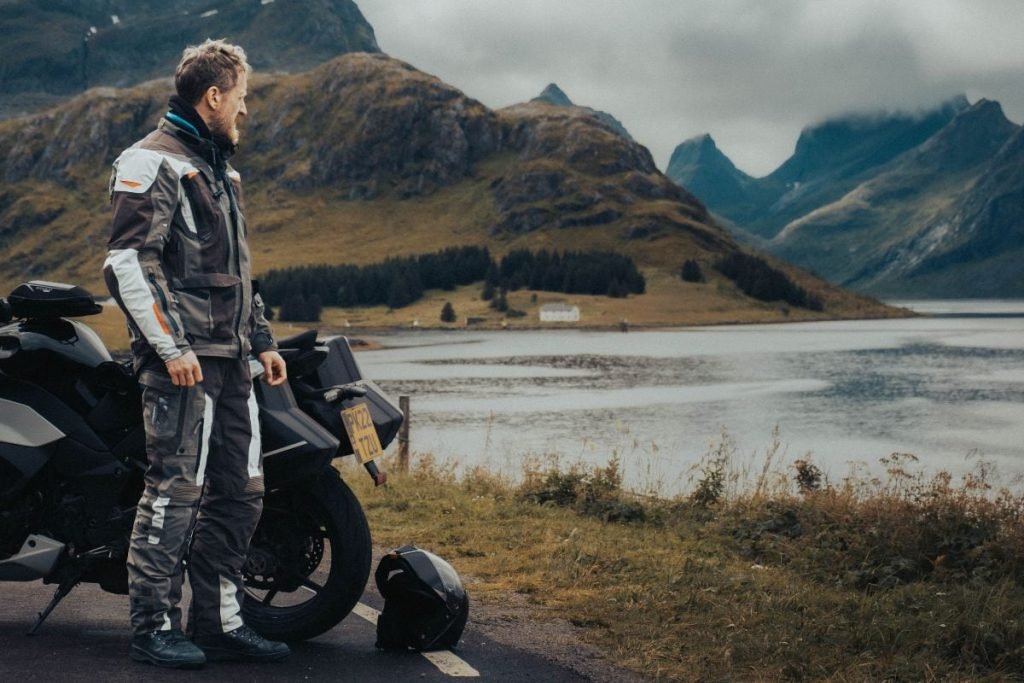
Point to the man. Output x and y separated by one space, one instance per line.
179 267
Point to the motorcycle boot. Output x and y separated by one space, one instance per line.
170 649
241 644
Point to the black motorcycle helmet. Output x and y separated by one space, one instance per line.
425 605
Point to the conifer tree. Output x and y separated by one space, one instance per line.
691 271
489 290
398 293
447 313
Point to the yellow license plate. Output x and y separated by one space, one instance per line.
361 432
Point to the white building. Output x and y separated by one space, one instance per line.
563 313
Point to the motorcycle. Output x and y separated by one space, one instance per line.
72 459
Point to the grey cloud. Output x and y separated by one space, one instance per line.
751 73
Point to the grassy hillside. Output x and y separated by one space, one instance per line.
365 158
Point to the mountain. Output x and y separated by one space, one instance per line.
910 219
895 205
366 157
115 42
554 95
830 159
985 251
698 165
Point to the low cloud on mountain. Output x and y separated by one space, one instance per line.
751 73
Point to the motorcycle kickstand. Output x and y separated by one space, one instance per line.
65 587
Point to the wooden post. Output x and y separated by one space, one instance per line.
403 435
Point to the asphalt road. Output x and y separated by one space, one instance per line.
86 639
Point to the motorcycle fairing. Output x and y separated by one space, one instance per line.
36 559
296 445
48 407
18 464
23 426
30 439
70 339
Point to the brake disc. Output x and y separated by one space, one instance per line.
287 550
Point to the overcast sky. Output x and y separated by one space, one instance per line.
751 73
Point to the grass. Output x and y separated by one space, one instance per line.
759 572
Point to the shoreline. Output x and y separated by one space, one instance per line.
110 324
357 333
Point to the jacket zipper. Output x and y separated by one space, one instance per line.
237 251
163 303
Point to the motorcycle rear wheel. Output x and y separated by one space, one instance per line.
309 560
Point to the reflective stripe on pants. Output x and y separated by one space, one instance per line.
204 477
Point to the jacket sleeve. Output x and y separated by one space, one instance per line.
144 192
262 336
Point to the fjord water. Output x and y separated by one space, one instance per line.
947 388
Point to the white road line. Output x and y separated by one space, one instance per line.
446 661
366 612
450 665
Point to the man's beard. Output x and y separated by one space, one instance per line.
226 128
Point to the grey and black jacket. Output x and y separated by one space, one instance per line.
178 263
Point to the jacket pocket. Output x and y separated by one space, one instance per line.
209 219
212 301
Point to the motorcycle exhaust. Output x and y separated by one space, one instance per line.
35 560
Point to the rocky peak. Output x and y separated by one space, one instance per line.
698 151
698 165
554 95
973 136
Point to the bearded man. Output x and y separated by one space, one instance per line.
178 265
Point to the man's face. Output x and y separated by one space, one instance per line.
232 106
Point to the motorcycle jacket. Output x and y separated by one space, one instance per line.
178 262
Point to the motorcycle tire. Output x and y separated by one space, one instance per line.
309 560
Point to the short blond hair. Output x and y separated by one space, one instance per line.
213 63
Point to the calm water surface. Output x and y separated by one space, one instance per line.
947 388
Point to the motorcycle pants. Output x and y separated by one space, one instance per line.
204 483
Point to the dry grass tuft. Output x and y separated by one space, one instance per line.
760 572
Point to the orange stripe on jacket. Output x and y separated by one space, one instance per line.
160 319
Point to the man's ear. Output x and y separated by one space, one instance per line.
212 97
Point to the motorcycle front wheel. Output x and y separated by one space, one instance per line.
309 560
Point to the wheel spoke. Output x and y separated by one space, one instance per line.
309 585
269 596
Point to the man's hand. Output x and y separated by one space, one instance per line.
184 370
274 372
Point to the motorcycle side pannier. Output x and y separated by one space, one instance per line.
340 367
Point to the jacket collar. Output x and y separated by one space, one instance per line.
188 126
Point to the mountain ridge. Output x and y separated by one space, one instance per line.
884 218
89 43
365 157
